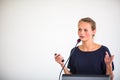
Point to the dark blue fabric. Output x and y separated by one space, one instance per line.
92 62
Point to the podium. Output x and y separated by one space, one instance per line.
84 77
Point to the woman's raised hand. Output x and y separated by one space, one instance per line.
108 59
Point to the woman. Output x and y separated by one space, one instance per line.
89 57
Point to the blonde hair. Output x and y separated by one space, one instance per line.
89 20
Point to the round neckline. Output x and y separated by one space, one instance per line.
90 51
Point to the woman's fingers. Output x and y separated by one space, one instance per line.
112 57
59 58
108 59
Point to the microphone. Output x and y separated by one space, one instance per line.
69 57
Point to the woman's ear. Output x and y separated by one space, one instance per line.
94 31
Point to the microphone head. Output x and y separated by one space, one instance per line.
78 40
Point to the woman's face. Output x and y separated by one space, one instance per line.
85 31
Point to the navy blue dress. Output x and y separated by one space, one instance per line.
91 62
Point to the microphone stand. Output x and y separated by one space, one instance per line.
68 58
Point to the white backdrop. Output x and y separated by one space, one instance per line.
31 31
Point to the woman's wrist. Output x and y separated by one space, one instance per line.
62 64
109 65
109 69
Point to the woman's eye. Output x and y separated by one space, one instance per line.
79 29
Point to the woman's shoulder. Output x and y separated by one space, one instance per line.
104 47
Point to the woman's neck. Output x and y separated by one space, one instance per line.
89 46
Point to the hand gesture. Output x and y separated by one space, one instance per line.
108 59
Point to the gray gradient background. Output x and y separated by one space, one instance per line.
31 31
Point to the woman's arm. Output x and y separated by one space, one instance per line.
108 61
58 59
109 71
66 71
